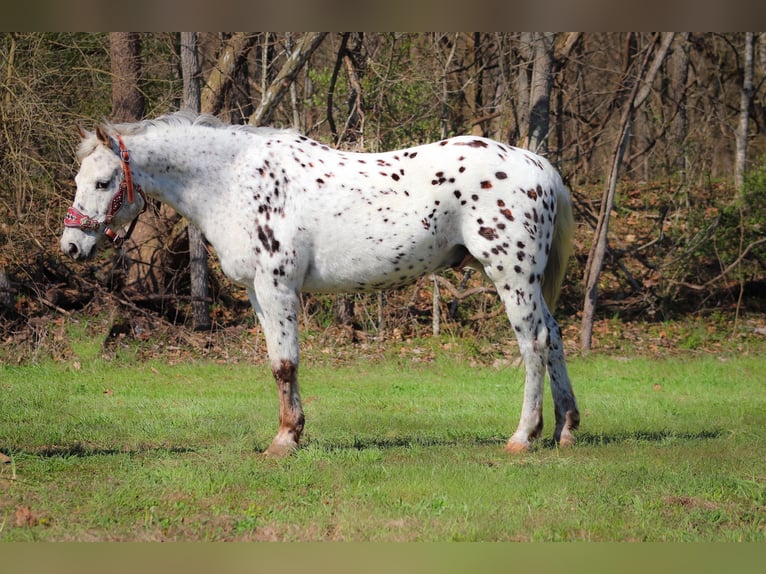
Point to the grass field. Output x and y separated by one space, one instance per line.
395 450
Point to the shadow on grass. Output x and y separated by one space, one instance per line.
79 450
364 443
384 443
591 439
583 439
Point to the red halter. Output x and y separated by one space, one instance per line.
75 218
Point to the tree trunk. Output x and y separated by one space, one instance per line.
6 297
543 53
231 56
190 72
679 127
198 266
331 90
279 87
352 134
296 116
638 94
540 92
436 308
354 59
445 90
746 95
127 97
142 255
523 79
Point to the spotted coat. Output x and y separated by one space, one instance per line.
286 213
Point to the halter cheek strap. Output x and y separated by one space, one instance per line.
124 155
77 219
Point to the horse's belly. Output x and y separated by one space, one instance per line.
352 268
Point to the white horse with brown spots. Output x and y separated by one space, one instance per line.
285 214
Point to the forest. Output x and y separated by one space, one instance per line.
659 136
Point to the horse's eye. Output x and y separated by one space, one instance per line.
102 184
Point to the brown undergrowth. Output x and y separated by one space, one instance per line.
124 334
673 282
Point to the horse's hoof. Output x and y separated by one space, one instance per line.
567 440
280 450
514 447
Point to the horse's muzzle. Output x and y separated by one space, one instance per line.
77 249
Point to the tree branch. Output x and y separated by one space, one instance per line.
279 87
222 73
457 294
723 273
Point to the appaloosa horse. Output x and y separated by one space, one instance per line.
285 213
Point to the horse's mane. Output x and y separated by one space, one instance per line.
175 119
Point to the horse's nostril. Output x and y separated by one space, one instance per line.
73 250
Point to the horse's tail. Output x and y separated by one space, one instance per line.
561 246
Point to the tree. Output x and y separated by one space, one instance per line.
142 255
198 267
540 92
231 57
543 55
279 87
127 97
641 87
746 95
679 123
353 131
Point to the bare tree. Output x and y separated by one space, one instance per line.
540 92
523 80
353 60
143 253
306 46
679 126
230 57
640 91
127 97
198 266
545 53
746 95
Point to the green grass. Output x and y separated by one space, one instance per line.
123 450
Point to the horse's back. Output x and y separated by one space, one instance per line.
367 221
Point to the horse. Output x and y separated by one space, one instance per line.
287 214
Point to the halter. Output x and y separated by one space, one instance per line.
77 219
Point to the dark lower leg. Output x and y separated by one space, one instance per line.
291 417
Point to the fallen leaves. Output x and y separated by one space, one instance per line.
25 517
690 502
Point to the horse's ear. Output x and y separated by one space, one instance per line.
107 140
102 136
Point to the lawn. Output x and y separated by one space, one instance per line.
396 449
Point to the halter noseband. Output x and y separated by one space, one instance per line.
77 219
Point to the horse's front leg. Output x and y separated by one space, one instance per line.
277 309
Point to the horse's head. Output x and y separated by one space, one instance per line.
106 198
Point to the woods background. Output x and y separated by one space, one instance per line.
660 138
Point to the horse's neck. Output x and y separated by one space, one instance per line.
183 167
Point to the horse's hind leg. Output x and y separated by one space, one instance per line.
526 318
541 347
565 405
277 311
